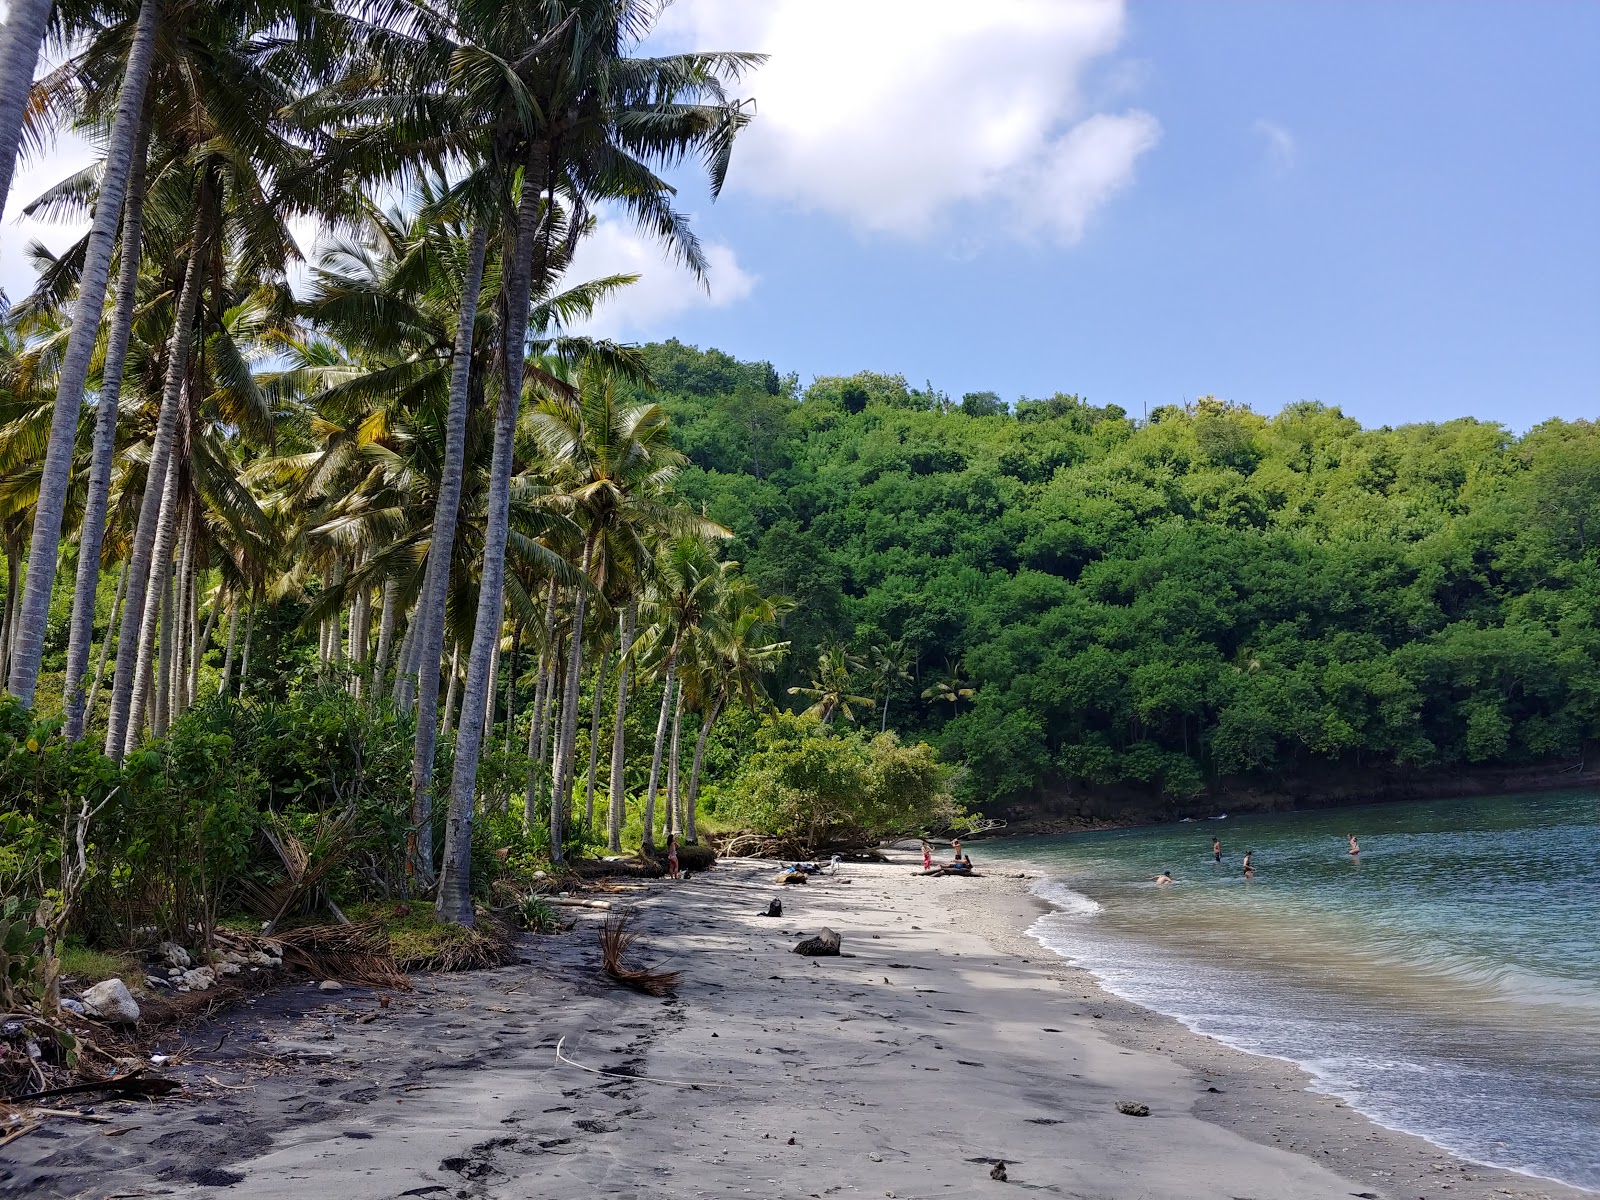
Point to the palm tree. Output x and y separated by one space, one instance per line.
830 691
890 666
126 137
19 57
606 121
950 689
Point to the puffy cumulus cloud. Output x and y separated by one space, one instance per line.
899 115
664 290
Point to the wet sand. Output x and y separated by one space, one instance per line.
942 1040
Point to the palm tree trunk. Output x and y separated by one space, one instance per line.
360 638
569 708
163 704
693 798
436 581
105 646
614 812
674 816
227 656
386 617
594 737
91 535
154 615
450 693
8 616
536 723
244 657
172 651
146 536
511 692
489 695
203 642
336 619
655 760
455 898
19 57
404 666
549 734
56 476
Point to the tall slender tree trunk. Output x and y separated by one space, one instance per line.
360 638
595 711
536 724
655 759
127 680
91 535
203 642
567 746
227 655
56 477
8 619
511 692
455 897
386 617
105 646
155 613
436 581
172 650
405 670
450 692
692 801
674 817
163 661
19 58
614 811
489 696
244 656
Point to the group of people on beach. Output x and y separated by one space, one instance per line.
959 863
1165 878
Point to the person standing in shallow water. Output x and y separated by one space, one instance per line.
1216 849
1354 847
1249 866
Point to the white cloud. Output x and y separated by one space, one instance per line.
902 115
664 290
34 175
1280 144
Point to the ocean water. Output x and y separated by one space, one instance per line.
1446 981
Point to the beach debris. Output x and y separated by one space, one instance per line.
134 1083
1131 1108
563 901
998 1171
330 985
110 1000
774 908
616 938
789 877
824 944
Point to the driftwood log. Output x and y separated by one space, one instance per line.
794 877
826 943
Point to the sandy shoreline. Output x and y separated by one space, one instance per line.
943 1040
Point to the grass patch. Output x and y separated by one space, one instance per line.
91 966
421 942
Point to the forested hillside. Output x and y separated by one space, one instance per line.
1081 598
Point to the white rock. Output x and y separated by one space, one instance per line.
330 985
75 1007
182 987
110 1000
176 955
228 968
200 979
174 972
157 981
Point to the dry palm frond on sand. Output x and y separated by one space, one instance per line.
615 940
358 953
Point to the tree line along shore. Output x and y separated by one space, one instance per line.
390 586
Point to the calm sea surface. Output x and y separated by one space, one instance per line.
1445 982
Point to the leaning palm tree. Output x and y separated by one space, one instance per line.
950 688
127 139
831 690
19 57
890 666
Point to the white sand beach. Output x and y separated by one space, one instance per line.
940 1042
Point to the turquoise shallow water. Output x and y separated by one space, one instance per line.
1446 982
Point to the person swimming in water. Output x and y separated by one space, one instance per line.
1164 878
1249 866
1354 847
1216 849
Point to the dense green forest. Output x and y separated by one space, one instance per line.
1059 593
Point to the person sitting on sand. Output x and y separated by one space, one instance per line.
1164 878
672 856
960 866
1354 848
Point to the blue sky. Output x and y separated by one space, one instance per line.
1390 207
1394 208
